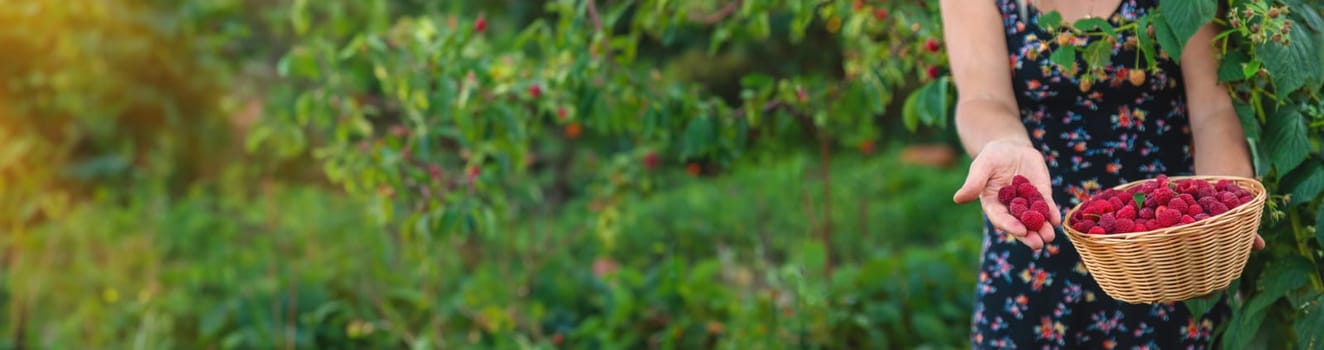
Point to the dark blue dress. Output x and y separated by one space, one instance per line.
1092 136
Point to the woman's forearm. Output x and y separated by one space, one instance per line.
980 121
1219 145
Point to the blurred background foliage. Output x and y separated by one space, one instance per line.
296 174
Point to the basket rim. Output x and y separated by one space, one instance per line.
1256 203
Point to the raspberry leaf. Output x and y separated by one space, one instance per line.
1139 199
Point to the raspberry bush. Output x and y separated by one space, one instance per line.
442 116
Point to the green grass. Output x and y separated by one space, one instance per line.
726 263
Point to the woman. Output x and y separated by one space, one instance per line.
1070 139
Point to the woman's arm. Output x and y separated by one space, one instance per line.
987 119
1217 138
1216 135
977 52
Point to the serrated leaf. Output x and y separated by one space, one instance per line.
1249 124
1304 183
1139 199
1099 54
1050 20
1095 24
1281 277
1285 139
1184 19
1145 43
1310 16
1064 57
1231 67
1309 324
1167 40
1242 329
1291 66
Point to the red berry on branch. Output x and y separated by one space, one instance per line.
880 14
573 130
535 91
650 160
480 25
932 45
933 72
693 169
867 147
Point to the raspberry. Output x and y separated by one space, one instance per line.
1140 228
1163 195
1127 212
1040 206
1108 222
1124 225
1229 199
1187 197
1245 199
1201 216
1186 219
1017 210
1225 185
1018 180
1020 201
1177 204
1207 202
1167 217
1194 209
1116 202
1026 190
1097 230
1083 226
1243 193
1033 220
1162 180
1206 192
1218 208
1147 213
1006 194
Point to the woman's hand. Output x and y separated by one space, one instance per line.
994 167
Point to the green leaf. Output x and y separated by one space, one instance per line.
1250 69
910 112
1285 139
1094 23
1283 276
1200 306
1319 231
1139 198
1184 19
928 105
1167 40
698 137
1291 66
1050 20
1242 329
1309 15
1304 183
1249 124
1232 66
1309 324
933 110
1064 57
1099 54
1146 43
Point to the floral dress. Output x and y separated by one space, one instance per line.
1092 136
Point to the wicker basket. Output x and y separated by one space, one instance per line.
1175 263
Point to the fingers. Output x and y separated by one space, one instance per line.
974 184
1259 242
1046 233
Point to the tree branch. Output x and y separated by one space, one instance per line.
718 16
